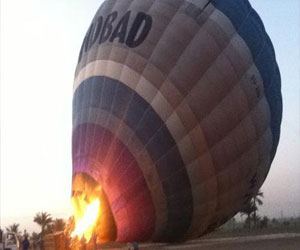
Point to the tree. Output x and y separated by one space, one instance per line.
14 228
25 234
58 225
264 222
257 201
275 222
255 218
35 238
231 223
248 209
44 220
251 208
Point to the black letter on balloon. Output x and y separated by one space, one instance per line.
121 29
87 38
107 28
96 31
84 46
132 39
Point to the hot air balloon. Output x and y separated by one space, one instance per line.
176 115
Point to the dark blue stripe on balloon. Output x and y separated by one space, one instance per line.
250 27
113 96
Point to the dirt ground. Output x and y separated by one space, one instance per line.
288 241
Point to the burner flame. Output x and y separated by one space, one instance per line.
86 215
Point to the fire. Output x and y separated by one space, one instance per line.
92 215
86 215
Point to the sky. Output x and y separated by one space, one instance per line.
40 42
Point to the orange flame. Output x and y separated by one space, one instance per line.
86 215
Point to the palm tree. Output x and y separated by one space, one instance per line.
257 201
251 208
35 237
248 209
58 225
44 220
14 228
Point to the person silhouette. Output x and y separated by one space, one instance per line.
25 243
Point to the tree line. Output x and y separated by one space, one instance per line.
47 224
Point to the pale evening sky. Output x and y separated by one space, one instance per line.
40 42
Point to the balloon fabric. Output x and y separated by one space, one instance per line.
176 113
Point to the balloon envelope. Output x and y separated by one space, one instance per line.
176 113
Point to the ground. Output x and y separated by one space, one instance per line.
285 241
